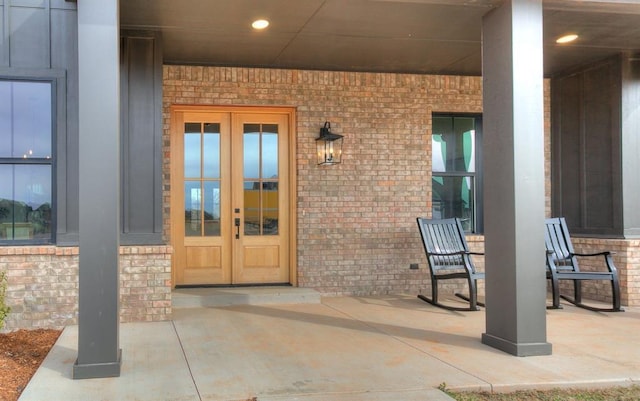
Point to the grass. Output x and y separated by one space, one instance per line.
631 393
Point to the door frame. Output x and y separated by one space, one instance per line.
174 168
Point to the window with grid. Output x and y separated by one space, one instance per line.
26 162
456 169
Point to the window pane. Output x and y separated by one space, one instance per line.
251 153
31 103
5 120
25 202
212 208
192 209
439 153
464 129
6 202
453 144
211 153
192 151
25 119
270 208
454 197
270 153
252 208
26 132
442 127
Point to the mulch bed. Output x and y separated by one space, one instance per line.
21 353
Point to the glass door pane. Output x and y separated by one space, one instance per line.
260 162
453 196
202 179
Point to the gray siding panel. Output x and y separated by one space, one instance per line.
569 156
586 141
29 37
63 4
631 144
4 36
64 46
598 147
40 35
29 3
38 39
64 55
141 68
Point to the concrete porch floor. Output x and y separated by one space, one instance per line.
344 348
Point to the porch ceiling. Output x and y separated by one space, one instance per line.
413 36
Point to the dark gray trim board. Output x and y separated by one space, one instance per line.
98 370
141 137
517 349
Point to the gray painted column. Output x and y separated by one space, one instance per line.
630 126
513 130
99 354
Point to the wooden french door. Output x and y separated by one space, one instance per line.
230 196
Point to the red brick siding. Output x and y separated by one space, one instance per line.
42 285
356 221
626 257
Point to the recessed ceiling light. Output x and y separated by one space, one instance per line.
260 24
567 38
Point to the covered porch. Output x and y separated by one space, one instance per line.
382 348
379 70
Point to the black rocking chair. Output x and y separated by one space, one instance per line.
562 264
449 258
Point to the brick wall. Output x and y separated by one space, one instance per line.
626 257
356 221
42 288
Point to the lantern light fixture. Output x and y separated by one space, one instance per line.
329 146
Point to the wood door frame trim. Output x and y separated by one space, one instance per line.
293 178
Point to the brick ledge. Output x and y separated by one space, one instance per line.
74 250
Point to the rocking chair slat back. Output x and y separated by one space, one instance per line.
443 238
449 258
562 264
556 242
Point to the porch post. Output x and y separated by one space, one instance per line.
99 354
514 178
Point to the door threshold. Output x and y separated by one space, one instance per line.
182 286
204 297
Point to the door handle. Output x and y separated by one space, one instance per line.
237 224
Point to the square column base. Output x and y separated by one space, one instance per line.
517 349
97 370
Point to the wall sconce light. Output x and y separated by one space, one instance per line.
329 146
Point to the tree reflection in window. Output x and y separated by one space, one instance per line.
26 161
456 181
202 179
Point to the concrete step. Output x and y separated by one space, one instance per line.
217 296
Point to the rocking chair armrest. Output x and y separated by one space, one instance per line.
459 253
449 253
605 253
607 258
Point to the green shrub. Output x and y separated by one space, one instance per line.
4 309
